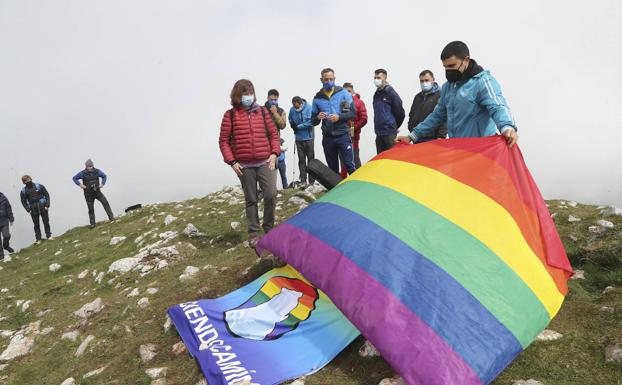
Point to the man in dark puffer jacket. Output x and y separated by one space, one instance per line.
6 217
36 201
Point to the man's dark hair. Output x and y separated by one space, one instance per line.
455 48
326 70
297 99
348 85
426 72
380 71
273 92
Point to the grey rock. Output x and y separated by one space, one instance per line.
147 352
54 267
84 345
143 303
607 309
549 335
605 224
397 380
235 225
134 293
169 219
95 372
116 240
579 274
69 381
188 273
191 231
610 211
613 353
20 345
90 308
71 336
572 218
156 373
368 350
527 382
124 265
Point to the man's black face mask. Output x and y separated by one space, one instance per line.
454 75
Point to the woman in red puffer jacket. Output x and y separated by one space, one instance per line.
249 143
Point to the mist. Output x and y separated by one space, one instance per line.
141 87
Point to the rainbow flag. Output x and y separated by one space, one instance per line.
443 254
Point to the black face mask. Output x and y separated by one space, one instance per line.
29 184
453 75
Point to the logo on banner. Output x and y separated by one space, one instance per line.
276 309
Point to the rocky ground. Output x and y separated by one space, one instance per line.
89 307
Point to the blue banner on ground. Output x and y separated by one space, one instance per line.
274 329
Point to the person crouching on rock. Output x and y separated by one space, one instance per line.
88 180
249 143
6 217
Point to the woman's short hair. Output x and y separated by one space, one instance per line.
241 87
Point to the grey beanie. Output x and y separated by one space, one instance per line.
88 163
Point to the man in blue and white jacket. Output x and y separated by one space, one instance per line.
334 107
300 121
471 101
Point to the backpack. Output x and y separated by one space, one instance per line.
42 200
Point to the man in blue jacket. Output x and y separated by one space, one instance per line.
333 106
471 101
300 121
88 180
36 201
388 112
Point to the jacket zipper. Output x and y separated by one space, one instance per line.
250 126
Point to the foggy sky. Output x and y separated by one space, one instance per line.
141 86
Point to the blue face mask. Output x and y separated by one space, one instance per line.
329 85
426 86
273 102
247 100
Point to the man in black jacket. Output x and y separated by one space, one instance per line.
36 201
423 105
6 217
88 180
388 112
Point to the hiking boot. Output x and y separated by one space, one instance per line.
91 226
9 249
2 257
50 238
252 241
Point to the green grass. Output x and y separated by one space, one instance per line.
578 358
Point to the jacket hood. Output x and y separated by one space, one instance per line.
321 94
2 197
472 70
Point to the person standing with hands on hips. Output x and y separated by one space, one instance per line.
249 143
88 180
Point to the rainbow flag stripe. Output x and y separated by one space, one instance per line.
443 254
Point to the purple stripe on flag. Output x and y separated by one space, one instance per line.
415 350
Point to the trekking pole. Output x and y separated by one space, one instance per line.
294 165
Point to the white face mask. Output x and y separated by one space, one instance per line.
426 86
298 109
247 100
378 82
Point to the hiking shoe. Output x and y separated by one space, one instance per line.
91 226
50 238
9 249
253 241
37 242
2 257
